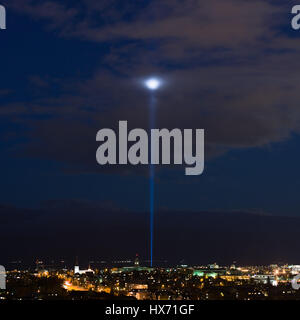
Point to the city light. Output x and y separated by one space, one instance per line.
137 279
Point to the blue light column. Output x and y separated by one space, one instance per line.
152 112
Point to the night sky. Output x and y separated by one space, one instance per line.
69 68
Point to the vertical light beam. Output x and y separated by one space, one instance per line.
152 84
152 112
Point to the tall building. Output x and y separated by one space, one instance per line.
76 267
136 261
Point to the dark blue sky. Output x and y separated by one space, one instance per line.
41 64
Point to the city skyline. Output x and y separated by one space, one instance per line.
130 280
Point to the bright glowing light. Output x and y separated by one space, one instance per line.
66 285
152 84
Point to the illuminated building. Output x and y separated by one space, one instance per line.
137 261
78 271
136 267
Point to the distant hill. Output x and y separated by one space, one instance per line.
68 229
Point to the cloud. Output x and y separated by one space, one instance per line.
238 108
188 23
54 13
228 66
